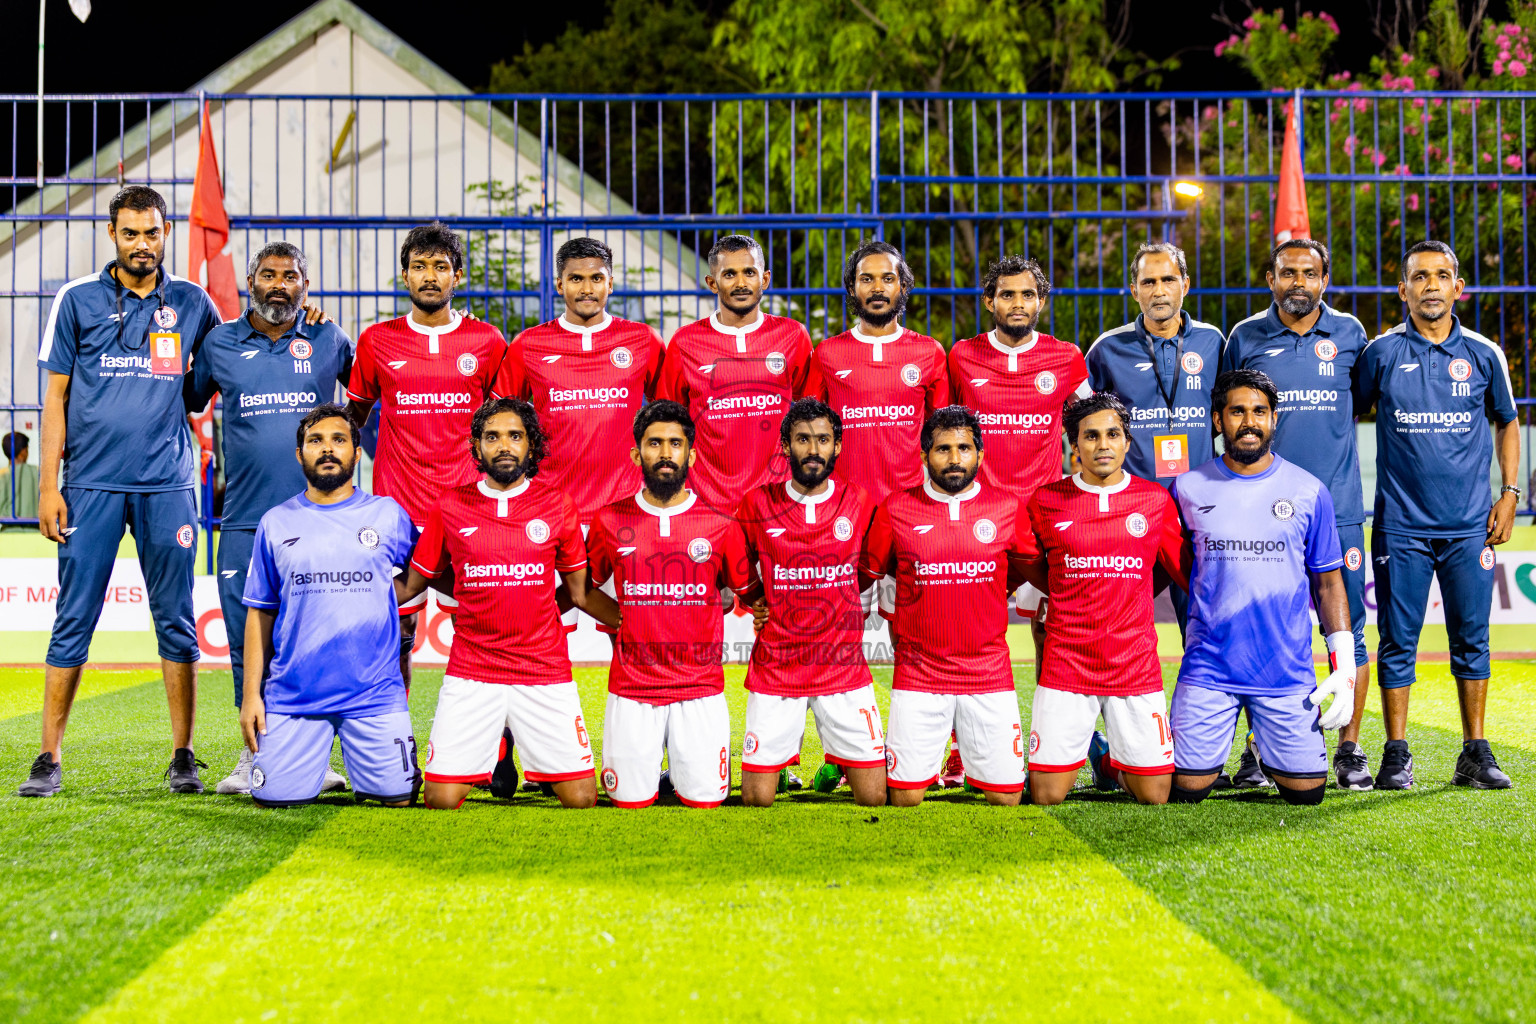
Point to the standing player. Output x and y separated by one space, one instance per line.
1095 539
1265 549
955 550
1310 350
115 348
324 630
1434 384
736 371
668 554
806 533
508 669
430 370
272 368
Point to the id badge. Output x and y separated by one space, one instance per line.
1172 454
165 353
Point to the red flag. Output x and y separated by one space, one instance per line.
1291 203
209 262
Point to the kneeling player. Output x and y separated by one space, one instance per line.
954 549
324 631
1262 530
668 554
508 667
1097 536
807 533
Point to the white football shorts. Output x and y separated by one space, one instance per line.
848 723
547 726
986 726
1061 725
695 735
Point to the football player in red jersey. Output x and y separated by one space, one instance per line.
737 370
429 370
668 554
955 548
806 533
1095 539
503 539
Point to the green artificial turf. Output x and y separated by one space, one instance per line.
122 902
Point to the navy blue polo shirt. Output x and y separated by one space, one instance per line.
1433 445
1132 363
126 424
1314 374
268 387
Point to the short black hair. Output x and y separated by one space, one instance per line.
734 243
324 411
538 440
803 411
1429 245
13 443
951 417
137 197
435 239
583 248
1317 247
1010 266
662 411
1230 380
875 247
1077 410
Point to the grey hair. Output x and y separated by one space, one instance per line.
1167 248
283 249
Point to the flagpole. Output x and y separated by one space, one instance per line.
42 12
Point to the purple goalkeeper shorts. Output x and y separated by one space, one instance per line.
1285 728
379 753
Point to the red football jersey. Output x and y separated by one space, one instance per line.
667 567
586 385
1099 547
883 389
1017 394
956 559
503 548
807 549
430 381
737 384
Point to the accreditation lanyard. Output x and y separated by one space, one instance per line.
1170 451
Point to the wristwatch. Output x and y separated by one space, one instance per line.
1510 489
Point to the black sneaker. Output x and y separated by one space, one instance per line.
1350 768
504 775
1223 780
664 787
1475 767
182 774
1250 772
45 779
1396 766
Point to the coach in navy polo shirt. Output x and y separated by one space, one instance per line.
1310 351
116 452
272 368
1435 385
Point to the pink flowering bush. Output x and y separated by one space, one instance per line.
1279 56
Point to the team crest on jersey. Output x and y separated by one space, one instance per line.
165 316
984 530
610 780
185 536
1325 349
621 357
1459 369
368 537
537 530
749 743
911 375
1045 382
1192 362
300 349
1136 524
775 362
1486 558
258 777
842 528
1283 509
699 549
1353 559
468 364
1034 742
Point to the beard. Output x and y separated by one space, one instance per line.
812 475
740 305
665 488
328 474
431 302
276 312
1016 333
506 475
897 306
1299 303
954 480
1245 456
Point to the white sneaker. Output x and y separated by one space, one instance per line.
334 782
239 780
